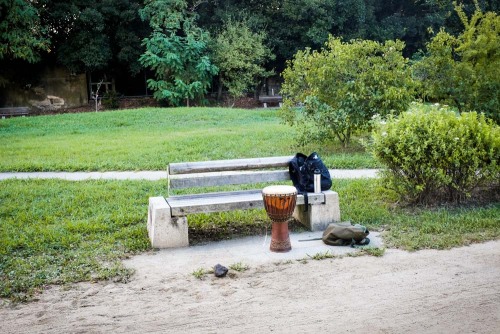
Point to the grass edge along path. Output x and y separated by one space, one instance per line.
59 232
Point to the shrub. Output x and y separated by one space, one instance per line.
434 156
465 70
342 86
110 100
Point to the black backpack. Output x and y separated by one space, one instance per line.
302 169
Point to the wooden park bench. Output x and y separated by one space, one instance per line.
167 217
14 111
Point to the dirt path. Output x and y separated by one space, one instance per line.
454 291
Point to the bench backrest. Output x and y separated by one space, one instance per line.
228 172
14 111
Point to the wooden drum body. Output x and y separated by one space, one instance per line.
279 202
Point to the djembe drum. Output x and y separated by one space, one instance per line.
279 202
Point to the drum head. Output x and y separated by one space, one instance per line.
279 190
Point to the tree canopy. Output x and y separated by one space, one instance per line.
108 35
22 35
92 36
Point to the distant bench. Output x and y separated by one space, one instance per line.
167 217
14 111
276 99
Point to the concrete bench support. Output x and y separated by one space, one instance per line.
319 216
164 230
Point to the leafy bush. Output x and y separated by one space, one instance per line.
465 70
434 156
110 100
342 86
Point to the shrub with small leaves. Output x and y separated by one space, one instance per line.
111 100
464 70
434 156
342 86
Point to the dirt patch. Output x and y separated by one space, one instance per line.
124 103
452 291
133 103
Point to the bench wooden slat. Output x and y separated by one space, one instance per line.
270 98
226 178
226 201
227 165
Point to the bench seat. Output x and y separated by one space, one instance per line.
167 216
227 201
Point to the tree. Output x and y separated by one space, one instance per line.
176 51
292 25
408 21
465 70
304 23
21 34
88 48
343 86
102 35
239 54
22 37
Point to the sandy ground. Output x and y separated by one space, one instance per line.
452 291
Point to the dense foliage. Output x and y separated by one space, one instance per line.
343 86
177 52
103 38
292 25
21 35
240 55
88 37
435 156
465 70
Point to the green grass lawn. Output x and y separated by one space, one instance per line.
150 138
57 232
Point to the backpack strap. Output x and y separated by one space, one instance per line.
294 166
